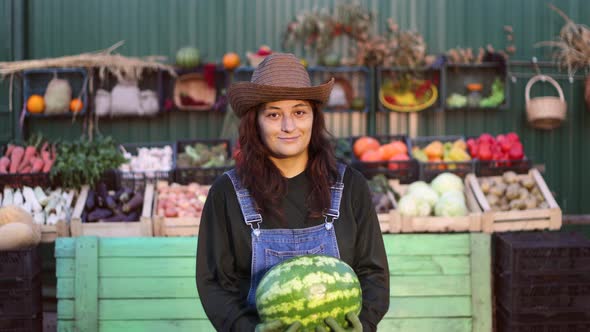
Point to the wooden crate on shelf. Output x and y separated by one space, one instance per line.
142 227
520 220
432 224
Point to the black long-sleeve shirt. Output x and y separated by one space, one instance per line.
224 250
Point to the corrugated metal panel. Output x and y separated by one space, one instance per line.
61 27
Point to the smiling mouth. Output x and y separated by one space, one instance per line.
288 138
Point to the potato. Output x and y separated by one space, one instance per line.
510 177
498 189
493 200
543 205
523 193
505 207
485 186
528 182
512 192
531 203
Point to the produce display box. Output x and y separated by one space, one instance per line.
50 232
29 324
542 256
503 221
429 170
20 297
35 81
20 264
385 218
433 224
206 176
138 180
27 179
181 226
142 227
406 171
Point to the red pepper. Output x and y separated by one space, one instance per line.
485 152
390 99
516 152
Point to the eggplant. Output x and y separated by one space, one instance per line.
125 195
121 217
90 201
84 216
111 203
99 214
134 203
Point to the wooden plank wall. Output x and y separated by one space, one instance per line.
439 282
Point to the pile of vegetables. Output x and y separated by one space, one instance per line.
84 161
512 192
29 158
181 201
444 197
46 207
204 156
148 160
369 149
104 205
500 148
437 151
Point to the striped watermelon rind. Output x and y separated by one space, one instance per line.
309 289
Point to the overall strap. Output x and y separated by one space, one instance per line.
336 194
245 200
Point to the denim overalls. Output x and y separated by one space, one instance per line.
272 246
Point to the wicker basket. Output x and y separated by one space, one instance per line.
545 112
195 86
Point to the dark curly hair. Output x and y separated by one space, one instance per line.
253 164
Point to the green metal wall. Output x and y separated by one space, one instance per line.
61 27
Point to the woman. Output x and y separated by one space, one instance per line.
286 188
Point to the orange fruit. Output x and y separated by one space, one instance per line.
231 61
364 144
371 156
387 151
76 105
35 104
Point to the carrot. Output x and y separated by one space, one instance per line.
4 162
27 169
9 149
17 156
37 165
48 158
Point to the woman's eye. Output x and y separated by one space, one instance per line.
300 113
273 115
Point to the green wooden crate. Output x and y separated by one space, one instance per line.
439 282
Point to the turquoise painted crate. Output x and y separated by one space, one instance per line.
439 282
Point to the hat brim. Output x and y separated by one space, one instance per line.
244 96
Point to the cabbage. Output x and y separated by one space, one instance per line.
451 204
425 194
408 206
414 206
418 185
447 182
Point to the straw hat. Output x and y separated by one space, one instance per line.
280 76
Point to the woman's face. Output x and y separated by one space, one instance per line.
285 128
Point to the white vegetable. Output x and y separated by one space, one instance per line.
447 182
8 197
426 194
408 206
52 219
41 196
27 207
18 199
30 197
70 198
39 218
451 204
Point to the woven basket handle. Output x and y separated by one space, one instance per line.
543 78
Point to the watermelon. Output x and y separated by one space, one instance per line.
309 289
188 57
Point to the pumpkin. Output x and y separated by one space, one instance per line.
76 105
35 104
17 236
187 57
17 228
231 61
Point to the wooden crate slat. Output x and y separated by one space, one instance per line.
129 309
65 268
429 306
429 265
481 286
155 325
144 267
426 244
86 284
425 324
65 309
430 285
156 247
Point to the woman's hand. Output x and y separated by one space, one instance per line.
277 326
352 318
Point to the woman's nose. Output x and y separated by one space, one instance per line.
288 124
